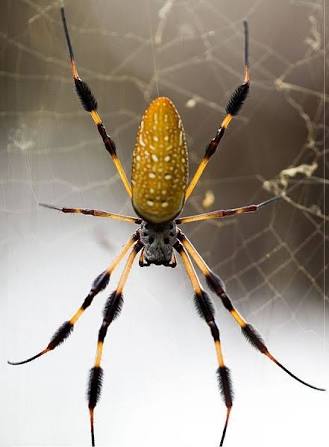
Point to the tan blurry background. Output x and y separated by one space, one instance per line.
160 385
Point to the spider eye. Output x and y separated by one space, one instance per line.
166 240
151 240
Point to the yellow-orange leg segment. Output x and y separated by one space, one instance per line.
224 213
98 285
111 311
206 311
89 103
217 286
95 213
232 109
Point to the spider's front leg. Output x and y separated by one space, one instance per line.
111 311
206 311
217 286
98 285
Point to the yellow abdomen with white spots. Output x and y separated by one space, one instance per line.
160 163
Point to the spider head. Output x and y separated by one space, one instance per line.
158 240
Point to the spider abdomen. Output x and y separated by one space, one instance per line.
160 163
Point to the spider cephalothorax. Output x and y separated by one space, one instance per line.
159 188
158 243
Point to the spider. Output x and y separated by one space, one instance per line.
159 189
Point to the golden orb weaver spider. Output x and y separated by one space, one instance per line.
159 189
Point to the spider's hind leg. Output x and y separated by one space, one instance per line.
92 212
227 212
89 103
232 109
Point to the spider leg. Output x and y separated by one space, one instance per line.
89 103
217 286
232 108
98 285
206 311
95 213
111 311
224 213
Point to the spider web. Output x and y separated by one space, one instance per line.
159 375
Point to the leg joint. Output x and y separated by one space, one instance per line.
87 99
226 302
237 99
102 332
214 330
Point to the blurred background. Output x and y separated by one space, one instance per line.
159 382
